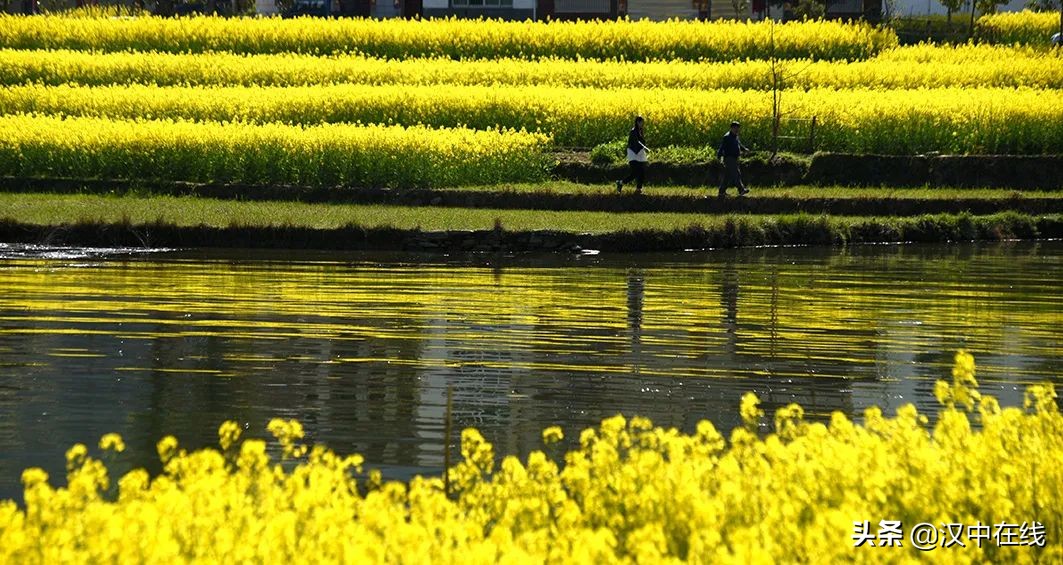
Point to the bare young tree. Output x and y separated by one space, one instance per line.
811 9
779 78
950 7
983 7
989 6
776 93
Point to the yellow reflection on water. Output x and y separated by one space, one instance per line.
806 317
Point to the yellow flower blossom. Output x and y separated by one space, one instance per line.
750 411
112 442
553 434
167 448
228 434
75 456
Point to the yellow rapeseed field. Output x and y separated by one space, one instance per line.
964 53
320 155
1026 27
457 38
958 120
900 68
630 493
578 82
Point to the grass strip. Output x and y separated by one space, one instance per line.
184 222
50 209
565 196
142 187
789 192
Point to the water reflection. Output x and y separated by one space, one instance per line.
636 295
729 302
362 348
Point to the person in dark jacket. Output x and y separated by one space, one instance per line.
637 155
730 149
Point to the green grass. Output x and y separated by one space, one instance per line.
166 221
147 188
51 210
913 29
795 193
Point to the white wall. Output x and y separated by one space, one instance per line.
661 9
582 6
925 7
265 7
444 4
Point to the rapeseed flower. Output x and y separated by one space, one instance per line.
631 492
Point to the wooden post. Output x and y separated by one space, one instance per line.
812 136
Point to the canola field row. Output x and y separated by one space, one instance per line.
973 66
719 40
268 154
453 38
1009 28
957 120
530 86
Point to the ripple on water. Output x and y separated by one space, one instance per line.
363 348
60 252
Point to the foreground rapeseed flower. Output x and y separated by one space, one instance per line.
631 492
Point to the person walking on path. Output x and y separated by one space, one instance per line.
730 149
637 155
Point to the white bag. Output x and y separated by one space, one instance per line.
642 156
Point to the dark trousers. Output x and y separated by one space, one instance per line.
731 175
638 173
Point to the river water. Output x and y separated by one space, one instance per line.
362 348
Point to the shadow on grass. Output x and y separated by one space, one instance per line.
732 231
